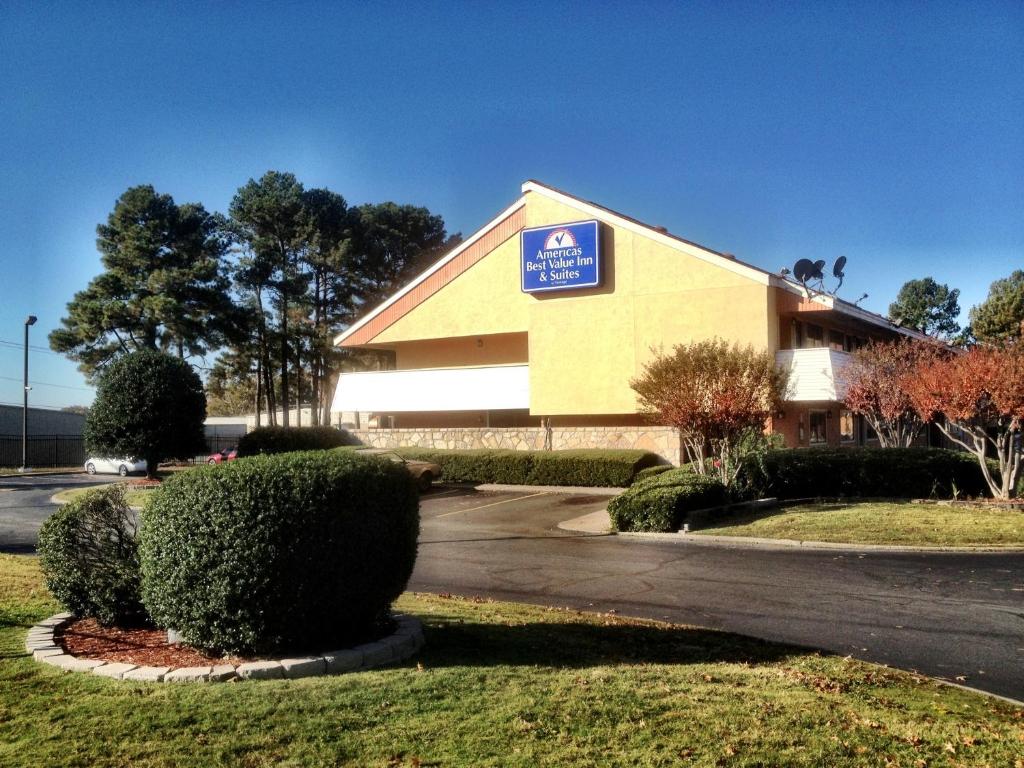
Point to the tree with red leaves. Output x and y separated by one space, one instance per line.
717 395
977 400
875 387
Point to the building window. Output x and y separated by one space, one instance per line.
836 341
847 427
817 420
814 336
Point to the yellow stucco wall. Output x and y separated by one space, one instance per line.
585 346
498 349
485 299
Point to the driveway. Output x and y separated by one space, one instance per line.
25 504
953 616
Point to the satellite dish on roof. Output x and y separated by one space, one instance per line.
837 270
803 270
806 271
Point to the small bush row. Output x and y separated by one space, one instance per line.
664 502
263 440
867 472
589 467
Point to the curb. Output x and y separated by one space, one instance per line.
749 542
44 473
405 642
581 489
969 689
591 523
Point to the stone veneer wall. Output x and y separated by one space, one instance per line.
663 441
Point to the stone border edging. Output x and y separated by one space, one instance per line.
405 642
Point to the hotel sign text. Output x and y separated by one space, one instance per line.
561 257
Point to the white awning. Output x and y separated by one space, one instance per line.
491 388
814 374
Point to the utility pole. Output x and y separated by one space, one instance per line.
30 320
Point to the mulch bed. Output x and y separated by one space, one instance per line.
86 639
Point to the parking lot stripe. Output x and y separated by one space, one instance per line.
495 503
439 494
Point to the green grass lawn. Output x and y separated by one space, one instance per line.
502 684
136 497
880 523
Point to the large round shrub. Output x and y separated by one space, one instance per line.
150 405
295 552
88 552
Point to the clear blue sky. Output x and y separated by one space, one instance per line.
889 132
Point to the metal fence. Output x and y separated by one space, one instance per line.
43 450
69 450
215 443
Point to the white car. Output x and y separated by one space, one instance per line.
122 467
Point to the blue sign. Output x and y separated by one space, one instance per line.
561 257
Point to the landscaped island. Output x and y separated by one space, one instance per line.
892 522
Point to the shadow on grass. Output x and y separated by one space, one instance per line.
578 645
17 548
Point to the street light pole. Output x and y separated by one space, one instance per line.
30 320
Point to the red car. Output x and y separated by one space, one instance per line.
228 454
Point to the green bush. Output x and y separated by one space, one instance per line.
88 552
475 465
297 552
597 467
150 405
287 439
587 467
866 472
654 471
664 502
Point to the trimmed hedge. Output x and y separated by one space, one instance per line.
664 502
88 552
299 552
648 472
868 472
287 439
589 467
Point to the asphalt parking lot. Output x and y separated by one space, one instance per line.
957 616
448 509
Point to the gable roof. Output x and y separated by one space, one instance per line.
510 221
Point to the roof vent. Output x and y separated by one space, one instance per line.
730 256
663 230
